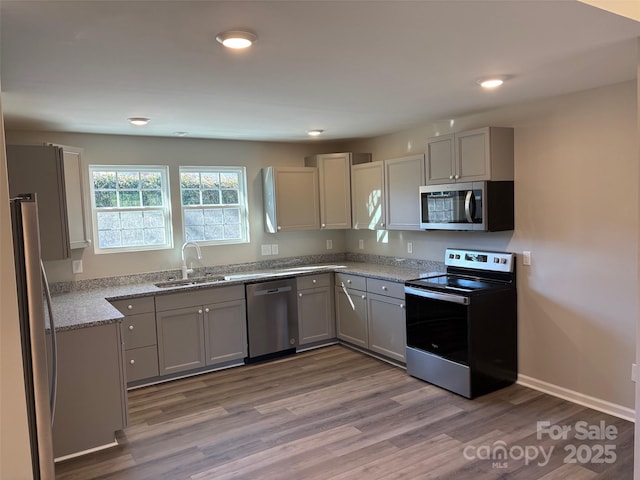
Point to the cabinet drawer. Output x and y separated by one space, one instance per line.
204 296
139 330
312 281
141 363
385 287
133 306
351 281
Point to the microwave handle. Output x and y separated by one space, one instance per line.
470 206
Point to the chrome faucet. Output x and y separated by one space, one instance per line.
185 270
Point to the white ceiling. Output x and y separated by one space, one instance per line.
353 68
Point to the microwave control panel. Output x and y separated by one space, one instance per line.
493 261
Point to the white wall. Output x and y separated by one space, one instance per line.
15 455
140 150
576 182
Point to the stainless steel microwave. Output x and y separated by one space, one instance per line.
481 206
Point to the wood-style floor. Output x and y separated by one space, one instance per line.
333 413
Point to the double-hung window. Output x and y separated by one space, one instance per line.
130 207
214 205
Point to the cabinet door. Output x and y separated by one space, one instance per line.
180 339
297 198
473 155
403 178
315 315
351 323
78 231
440 159
40 169
335 190
91 400
225 331
367 196
387 330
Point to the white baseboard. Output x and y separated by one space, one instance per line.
579 398
86 452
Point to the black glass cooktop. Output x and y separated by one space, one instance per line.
455 282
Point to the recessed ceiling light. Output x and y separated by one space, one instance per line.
315 133
491 82
139 121
237 39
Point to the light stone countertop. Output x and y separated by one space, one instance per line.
86 308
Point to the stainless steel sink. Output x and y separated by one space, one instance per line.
190 281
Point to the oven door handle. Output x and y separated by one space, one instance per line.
445 297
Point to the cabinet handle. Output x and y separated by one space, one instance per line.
457 177
348 281
206 310
384 288
402 305
200 312
382 224
450 177
129 307
314 281
132 362
279 227
364 296
130 327
324 225
300 295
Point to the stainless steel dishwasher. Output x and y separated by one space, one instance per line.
272 318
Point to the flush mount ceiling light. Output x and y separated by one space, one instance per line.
491 82
315 133
237 39
138 121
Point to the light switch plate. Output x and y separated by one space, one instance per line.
76 265
526 257
274 249
633 372
409 247
266 249
329 244
361 244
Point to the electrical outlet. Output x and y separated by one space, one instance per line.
274 249
361 244
633 372
329 244
266 249
526 257
409 247
76 265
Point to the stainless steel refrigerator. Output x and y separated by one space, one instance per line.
33 296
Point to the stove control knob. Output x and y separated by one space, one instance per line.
457 256
503 261
496 260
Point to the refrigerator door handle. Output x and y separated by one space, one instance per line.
54 346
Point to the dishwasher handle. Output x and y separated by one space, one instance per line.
271 291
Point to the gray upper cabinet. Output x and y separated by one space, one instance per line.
402 180
474 155
367 196
291 199
334 177
76 199
40 169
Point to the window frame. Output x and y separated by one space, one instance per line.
243 202
163 170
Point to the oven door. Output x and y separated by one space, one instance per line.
437 323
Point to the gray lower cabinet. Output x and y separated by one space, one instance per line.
91 401
315 308
351 309
200 328
386 318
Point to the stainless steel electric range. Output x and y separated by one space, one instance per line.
462 325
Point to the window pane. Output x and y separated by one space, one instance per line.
193 217
230 197
232 215
213 216
154 236
129 198
214 232
210 180
152 198
194 234
189 180
211 197
108 221
132 237
104 180
131 219
190 197
153 219
150 180
231 231
106 199
229 180
109 238
128 180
